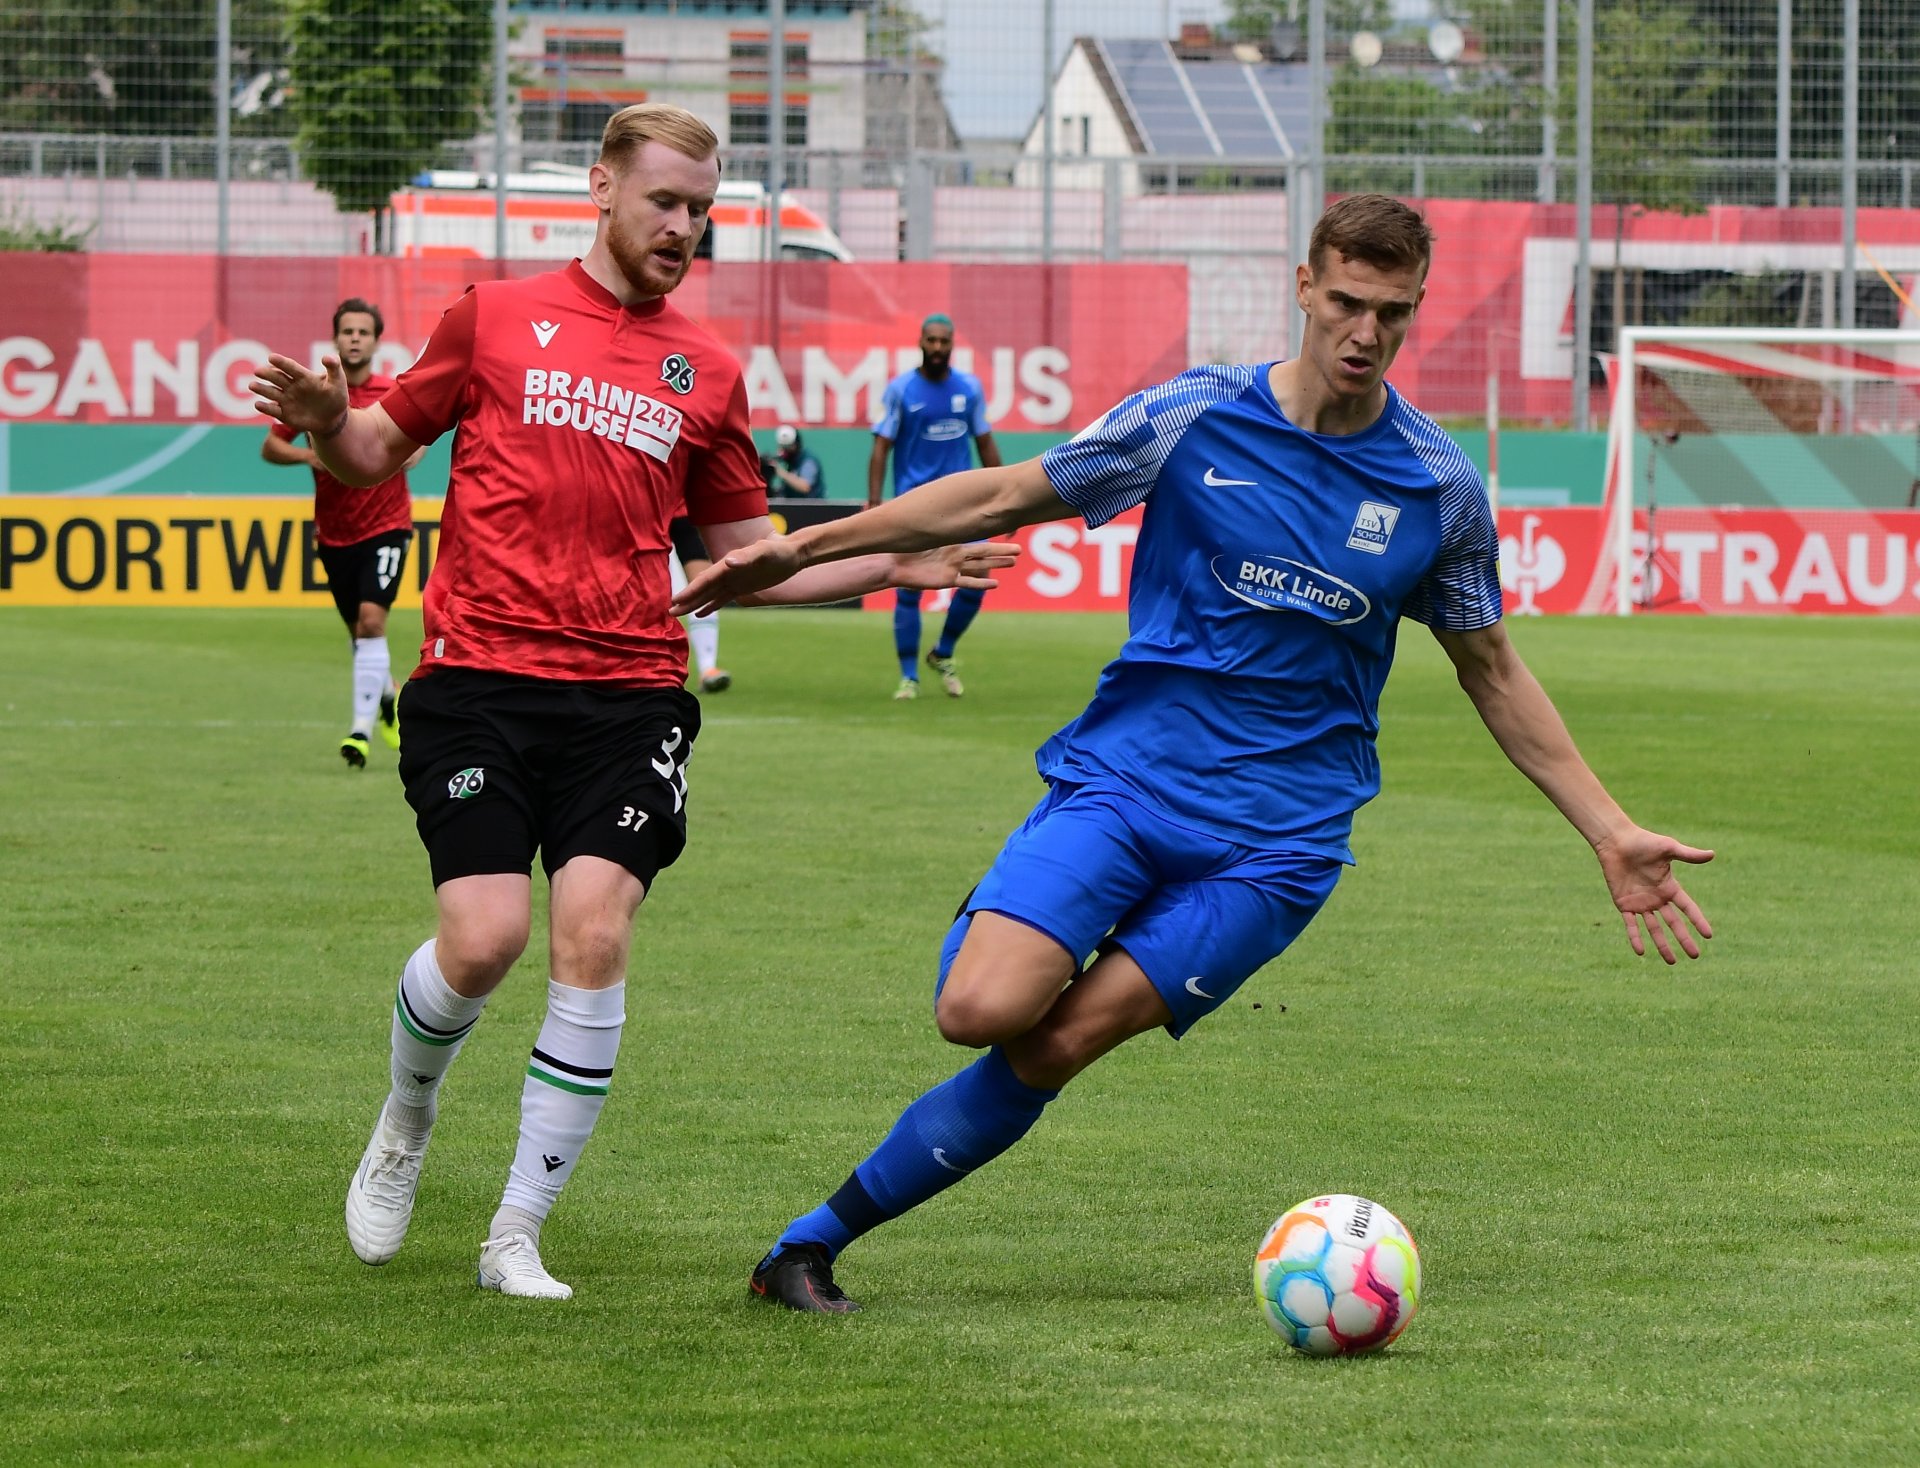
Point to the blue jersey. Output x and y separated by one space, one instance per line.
1271 573
932 425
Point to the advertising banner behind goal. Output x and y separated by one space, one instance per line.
1708 560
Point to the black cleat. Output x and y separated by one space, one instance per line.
801 1278
353 749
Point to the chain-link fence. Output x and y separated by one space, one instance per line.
1588 164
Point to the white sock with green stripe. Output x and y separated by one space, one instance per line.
430 1024
567 1080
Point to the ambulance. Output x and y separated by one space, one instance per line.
449 214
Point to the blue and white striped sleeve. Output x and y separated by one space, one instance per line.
1112 465
1461 590
887 425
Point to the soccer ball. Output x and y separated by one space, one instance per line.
1338 1276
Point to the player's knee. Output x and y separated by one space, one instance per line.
968 1015
592 949
480 950
372 621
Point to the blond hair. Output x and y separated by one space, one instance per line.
655 122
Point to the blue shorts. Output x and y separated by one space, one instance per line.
1200 914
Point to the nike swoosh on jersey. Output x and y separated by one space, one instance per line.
1193 988
1212 478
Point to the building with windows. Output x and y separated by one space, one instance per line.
577 60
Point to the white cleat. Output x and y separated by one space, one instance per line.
511 1264
380 1197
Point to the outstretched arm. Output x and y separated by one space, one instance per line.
969 566
277 450
1637 863
942 516
359 446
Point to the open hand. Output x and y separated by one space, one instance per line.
305 400
968 567
1638 866
738 573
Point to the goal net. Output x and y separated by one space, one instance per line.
1820 426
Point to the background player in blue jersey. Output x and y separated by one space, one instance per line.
926 418
1197 813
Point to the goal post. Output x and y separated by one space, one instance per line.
1810 420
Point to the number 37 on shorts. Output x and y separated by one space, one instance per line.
670 764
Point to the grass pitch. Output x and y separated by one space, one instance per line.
1668 1216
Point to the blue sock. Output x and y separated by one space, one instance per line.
960 1125
906 631
961 611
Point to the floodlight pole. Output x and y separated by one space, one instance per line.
1046 129
222 120
777 119
499 129
1850 163
1316 191
1783 105
1583 225
1550 116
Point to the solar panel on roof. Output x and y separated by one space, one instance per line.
1285 88
1225 90
1145 71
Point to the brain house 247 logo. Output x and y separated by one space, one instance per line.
604 409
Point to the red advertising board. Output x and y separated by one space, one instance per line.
1560 561
174 338
1723 561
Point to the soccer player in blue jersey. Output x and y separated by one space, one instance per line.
1198 812
926 418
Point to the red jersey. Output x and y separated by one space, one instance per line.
344 514
584 425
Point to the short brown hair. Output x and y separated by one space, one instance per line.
655 122
1375 228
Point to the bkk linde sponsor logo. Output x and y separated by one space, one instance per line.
1276 583
560 400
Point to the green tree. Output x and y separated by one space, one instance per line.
108 66
896 29
378 87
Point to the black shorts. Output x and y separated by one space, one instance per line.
367 570
686 541
496 766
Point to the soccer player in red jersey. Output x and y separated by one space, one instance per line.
363 535
549 711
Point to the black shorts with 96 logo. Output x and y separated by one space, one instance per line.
497 766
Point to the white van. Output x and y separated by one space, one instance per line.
449 213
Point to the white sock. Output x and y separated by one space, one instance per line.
704 634
372 675
430 1024
567 1080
